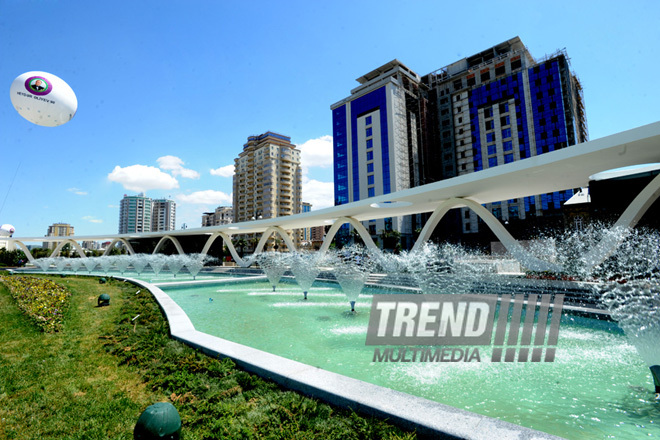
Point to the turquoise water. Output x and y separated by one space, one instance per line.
598 387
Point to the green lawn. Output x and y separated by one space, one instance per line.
92 379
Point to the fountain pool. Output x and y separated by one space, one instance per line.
598 386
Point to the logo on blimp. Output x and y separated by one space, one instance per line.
38 85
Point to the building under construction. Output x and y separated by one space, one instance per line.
398 130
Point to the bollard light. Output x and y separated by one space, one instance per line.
101 280
104 300
159 421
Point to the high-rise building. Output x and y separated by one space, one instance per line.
500 106
398 130
378 135
267 178
223 215
163 215
135 214
58 230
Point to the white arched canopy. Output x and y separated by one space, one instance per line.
125 242
164 239
359 227
73 244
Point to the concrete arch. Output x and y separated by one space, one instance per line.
119 240
627 220
494 224
282 233
211 240
19 244
162 241
341 221
73 243
230 246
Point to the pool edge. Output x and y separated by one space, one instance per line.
426 417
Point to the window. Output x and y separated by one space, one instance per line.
513 211
372 229
492 162
370 168
471 81
371 192
506 133
508 145
370 143
485 76
490 137
508 158
458 84
516 64
370 155
370 179
492 149
499 71
488 112
367 120
504 120
504 107
489 125
369 132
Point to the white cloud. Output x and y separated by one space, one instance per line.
319 194
174 164
316 153
142 178
206 197
113 206
77 191
226 171
92 219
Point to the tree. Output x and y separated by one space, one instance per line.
240 244
391 239
15 258
356 237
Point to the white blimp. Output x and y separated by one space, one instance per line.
6 230
43 99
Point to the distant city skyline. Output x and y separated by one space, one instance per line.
177 137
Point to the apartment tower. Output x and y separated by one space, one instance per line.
267 178
135 214
163 215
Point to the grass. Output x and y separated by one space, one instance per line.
94 377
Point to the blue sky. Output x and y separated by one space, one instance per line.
169 91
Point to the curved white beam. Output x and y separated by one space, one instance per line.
359 227
633 213
119 240
266 235
24 248
73 243
230 246
162 241
507 240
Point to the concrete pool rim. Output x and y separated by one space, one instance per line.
428 418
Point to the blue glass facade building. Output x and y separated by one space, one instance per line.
374 136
